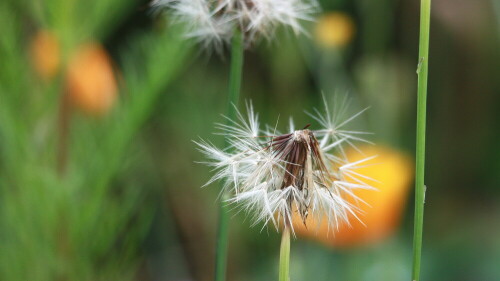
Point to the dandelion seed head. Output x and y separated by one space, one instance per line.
274 176
212 22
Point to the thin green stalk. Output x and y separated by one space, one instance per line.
63 133
425 17
284 270
233 98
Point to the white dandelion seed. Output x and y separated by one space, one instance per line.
213 22
273 176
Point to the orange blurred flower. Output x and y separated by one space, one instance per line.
45 54
394 173
334 29
90 80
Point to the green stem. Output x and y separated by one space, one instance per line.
425 16
64 120
233 98
284 270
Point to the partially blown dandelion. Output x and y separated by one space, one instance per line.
272 175
214 21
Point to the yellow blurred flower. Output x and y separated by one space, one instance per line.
90 80
394 172
334 30
45 54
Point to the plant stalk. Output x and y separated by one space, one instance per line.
422 70
284 269
63 133
233 99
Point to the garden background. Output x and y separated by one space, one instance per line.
100 102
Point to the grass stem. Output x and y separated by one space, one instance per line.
422 70
233 99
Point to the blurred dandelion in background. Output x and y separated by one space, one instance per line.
214 22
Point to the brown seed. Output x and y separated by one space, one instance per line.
300 151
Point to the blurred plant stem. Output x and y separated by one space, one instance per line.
232 103
64 119
284 270
63 133
422 69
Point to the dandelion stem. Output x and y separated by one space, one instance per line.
233 98
284 270
425 15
